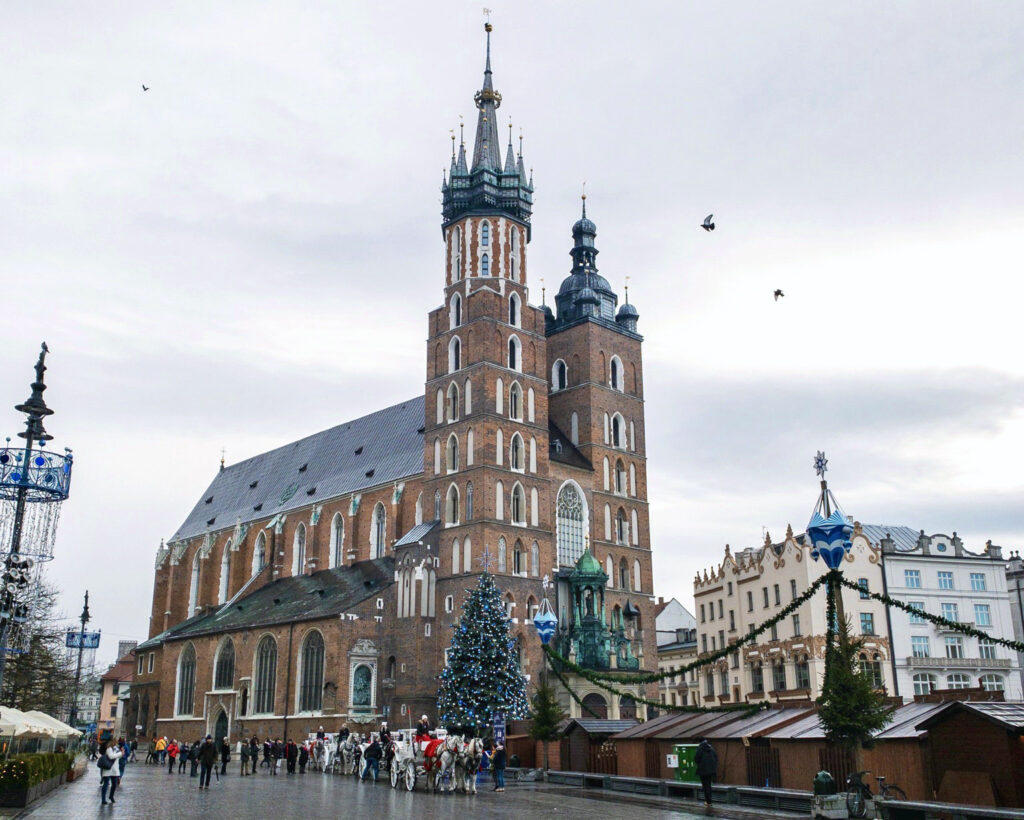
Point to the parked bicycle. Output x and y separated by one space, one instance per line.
858 793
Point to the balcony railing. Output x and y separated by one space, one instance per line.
960 663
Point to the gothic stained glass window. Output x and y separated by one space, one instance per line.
570 525
266 675
224 673
311 693
186 680
362 685
380 528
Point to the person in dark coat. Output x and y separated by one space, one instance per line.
243 752
225 755
291 755
254 752
303 757
207 760
706 761
372 756
498 767
193 757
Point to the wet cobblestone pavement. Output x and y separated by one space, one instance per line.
149 792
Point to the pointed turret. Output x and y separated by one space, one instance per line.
485 149
510 159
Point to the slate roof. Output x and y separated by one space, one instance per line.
1009 715
569 453
416 533
382 447
323 594
594 726
905 723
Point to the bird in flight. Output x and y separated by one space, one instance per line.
708 225
778 293
145 87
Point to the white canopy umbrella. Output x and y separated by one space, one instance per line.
24 724
60 728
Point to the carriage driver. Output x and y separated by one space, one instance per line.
423 732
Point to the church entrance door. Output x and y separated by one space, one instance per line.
220 730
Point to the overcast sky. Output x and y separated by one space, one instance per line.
246 253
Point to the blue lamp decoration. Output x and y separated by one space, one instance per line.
545 621
828 529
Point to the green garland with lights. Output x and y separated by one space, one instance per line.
568 688
938 620
654 677
831 616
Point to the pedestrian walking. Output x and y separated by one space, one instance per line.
193 758
254 752
243 753
207 760
268 753
172 755
225 756
291 754
134 747
498 766
706 761
107 762
184 754
372 756
160 747
303 757
122 747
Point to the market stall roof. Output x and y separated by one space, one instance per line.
598 727
759 724
902 726
679 726
24 724
60 728
1009 715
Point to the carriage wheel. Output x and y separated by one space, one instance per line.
410 778
394 777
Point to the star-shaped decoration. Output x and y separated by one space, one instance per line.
820 463
485 559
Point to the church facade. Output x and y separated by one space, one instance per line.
317 584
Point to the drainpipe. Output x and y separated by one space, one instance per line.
888 623
288 682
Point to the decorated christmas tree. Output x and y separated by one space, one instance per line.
482 676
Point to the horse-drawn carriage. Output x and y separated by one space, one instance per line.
447 762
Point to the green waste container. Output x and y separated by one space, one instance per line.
687 767
824 783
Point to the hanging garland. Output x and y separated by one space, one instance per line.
707 660
587 674
569 689
938 620
830 619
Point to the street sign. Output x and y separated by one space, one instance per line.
672 761
82 640
499 728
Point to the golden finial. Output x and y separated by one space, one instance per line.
452 132
520 142
583 196
627 290
223 453
487 22
462 134
543 292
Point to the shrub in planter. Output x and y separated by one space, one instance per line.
21 772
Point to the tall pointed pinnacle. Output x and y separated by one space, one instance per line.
510 157
486 152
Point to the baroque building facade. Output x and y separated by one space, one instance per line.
318 583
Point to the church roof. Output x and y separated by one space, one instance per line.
382 447
324 594
563 450
416 534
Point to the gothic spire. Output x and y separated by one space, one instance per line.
486 152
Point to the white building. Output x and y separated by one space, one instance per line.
937 575
1015 587
670 618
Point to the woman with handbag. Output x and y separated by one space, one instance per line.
110 772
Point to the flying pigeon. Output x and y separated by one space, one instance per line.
708 225
145 87
778 293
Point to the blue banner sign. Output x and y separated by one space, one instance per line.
499 728
83 640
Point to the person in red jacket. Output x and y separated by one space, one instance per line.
172 753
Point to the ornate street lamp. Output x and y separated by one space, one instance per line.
33 484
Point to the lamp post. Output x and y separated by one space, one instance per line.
33 483
73 711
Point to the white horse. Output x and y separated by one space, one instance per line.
467 764
444 765
351 752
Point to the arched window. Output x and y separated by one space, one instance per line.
485 265
518 504
193 588
266 676
637 579
595 706
456 558
338 534
515 353
604 474
453 453
616 374
311 673
533 455
225 573
469 447
574 428
621 528
499 501
534 507
437 505
299 550
485 233
499 395
992 683
224 666
437 456
634 528
627 708
606 428
958 680
530 405
632 480
186 680
623 575
559 375
469 397
439 407
515 402
513 254
632 437
259 553
513 310
609 570
618 427
456 254
502 555
455 312
499 447
379 543
452 506
453 402
469 502
620 477
419 508
518 559
571 517
535 559
515 453
924 683
454 354
607 522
